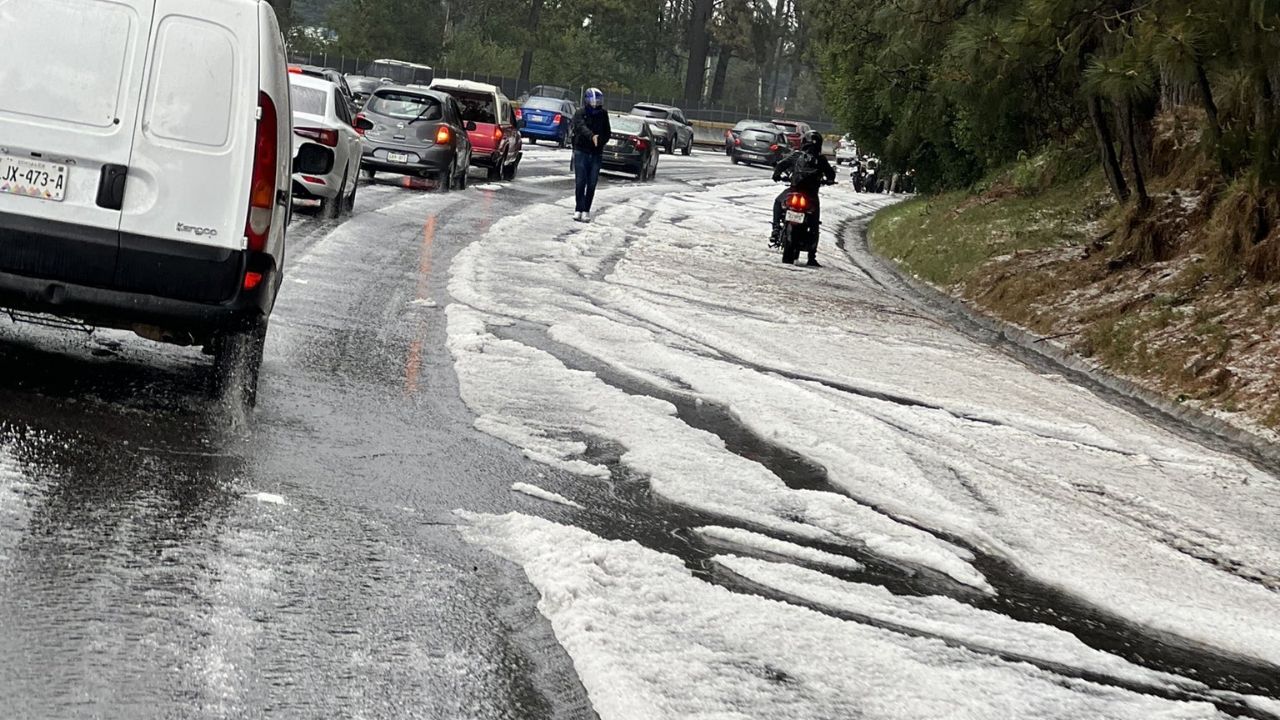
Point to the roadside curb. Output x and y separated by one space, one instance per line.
971 320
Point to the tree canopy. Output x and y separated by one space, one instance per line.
958 87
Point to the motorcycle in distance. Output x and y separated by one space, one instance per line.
866 176
800 225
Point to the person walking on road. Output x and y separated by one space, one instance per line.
590 133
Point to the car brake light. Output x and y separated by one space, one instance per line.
640 143
320 135
559 119
774 147
252 280
797 202
295 70
737 141
359 119
497 134
443 135
262 187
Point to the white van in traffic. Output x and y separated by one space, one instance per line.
145 151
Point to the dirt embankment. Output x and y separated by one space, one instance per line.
1183 298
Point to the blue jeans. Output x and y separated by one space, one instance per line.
586 172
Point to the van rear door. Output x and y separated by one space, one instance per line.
193 143
71 76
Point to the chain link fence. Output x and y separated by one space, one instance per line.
618 102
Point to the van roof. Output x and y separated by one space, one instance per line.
401 63
467 85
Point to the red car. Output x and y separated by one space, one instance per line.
794 130
490 120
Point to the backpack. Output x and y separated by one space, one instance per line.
805 169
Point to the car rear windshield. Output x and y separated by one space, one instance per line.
649 112
627 125
788 127
308 100
545 103
759 136
476 107
405 106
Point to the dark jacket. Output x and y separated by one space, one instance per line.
586 123
816 169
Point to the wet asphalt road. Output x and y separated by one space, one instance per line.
162 557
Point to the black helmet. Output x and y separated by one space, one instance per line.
812 141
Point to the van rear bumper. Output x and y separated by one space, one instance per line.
189 292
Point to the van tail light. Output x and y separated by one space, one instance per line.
262 187
559 119
797 202
640 143
443 135
320 135
497 134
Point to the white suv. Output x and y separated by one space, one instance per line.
144 169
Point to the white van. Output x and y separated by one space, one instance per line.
144 169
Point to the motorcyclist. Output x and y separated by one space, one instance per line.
809 171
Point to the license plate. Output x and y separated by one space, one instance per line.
538 118
795 217
397 157
33 178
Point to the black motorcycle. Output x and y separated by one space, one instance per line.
800 225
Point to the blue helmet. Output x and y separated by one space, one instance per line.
593 98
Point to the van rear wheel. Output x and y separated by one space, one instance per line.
237 362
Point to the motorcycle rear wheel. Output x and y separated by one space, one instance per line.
790 250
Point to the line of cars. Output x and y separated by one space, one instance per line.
756 142
436 131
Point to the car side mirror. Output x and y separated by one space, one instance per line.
471 126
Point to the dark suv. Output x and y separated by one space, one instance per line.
670 129
415 131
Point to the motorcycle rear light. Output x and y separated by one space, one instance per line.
797 202
443 136
262 186
320 135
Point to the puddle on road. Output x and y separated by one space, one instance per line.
667 528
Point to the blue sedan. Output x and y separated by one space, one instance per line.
544 118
